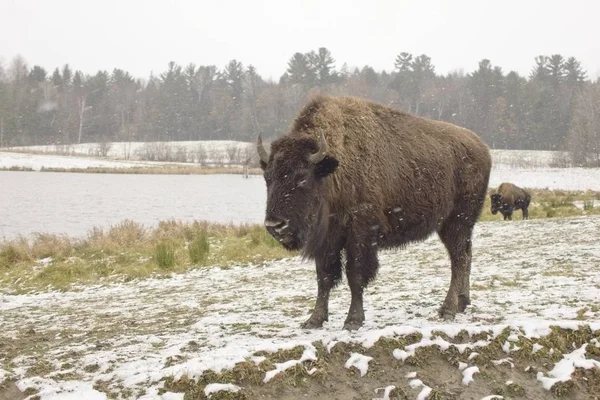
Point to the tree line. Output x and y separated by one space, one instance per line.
555 107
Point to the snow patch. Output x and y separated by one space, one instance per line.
507 360
415 383
309 354
536 347
212 388
564 368
424 393
386 392
3 375
359 361
468 374
68 390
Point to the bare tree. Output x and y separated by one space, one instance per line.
201 154
180 154
233 153
103 148
81 109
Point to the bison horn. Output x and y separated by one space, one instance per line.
262 153
320 154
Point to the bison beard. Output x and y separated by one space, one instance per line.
355 176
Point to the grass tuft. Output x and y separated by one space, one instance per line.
164 254
199 249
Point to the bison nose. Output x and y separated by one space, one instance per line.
276 226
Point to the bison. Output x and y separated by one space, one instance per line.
508 198
356 176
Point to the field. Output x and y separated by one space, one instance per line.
121 315
155 338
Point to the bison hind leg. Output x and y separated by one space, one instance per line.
361 268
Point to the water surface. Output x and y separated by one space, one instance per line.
73 203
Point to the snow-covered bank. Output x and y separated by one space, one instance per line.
548 178
39 161
221 150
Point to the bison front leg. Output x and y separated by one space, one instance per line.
361 268
457 239
329 273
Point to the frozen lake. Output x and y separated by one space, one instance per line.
72 203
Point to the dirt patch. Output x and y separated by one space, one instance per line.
438 370
10 391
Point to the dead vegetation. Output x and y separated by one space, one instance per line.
129 250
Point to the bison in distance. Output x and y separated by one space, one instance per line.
508 198
356 176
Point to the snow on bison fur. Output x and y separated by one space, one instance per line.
508 198
356 176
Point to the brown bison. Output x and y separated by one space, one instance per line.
508 198
356 176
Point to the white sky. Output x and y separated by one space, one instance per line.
141 36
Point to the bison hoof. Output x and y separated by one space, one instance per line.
353 325
446 313
314 322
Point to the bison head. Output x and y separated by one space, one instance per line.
496 202
294 173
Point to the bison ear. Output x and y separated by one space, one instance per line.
263 165
326 166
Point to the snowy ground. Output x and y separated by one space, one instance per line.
547 178
526 274
214 150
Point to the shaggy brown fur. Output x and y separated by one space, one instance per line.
508 198
388 178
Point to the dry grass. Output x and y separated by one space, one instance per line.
129 250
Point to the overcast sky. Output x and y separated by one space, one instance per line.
141 36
